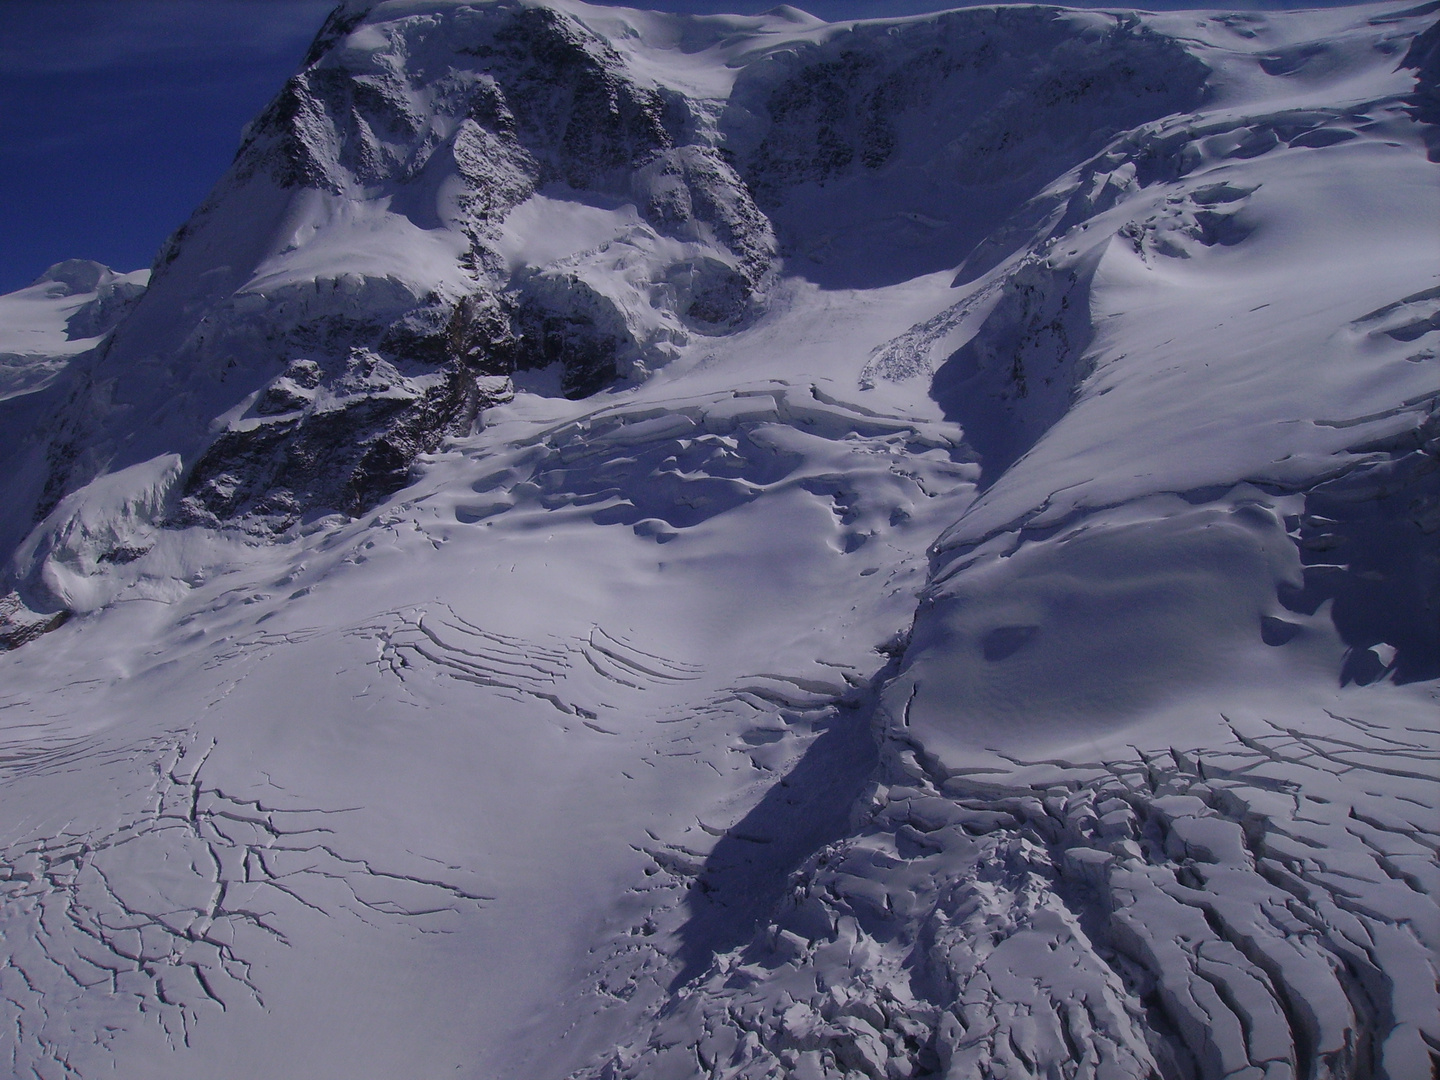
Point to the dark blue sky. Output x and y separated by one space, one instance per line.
117 116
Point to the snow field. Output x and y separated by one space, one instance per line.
1000 644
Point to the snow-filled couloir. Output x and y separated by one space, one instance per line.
625 545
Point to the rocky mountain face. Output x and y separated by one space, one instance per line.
439 126
624 545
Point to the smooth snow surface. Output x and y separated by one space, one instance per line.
962 600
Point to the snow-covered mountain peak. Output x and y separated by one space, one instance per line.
59 316
620 545
75 276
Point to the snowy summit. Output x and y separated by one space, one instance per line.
633 546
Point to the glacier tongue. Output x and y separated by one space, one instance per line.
622 545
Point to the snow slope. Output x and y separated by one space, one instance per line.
63 313
631 545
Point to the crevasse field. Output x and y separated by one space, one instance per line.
620 545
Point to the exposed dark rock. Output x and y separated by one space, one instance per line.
1423 58
532 97
344 18
19 625
688 189
345 451
719 296
284 140
572 336
572 106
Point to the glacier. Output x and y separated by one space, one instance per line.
631 545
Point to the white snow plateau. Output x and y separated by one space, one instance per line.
619 545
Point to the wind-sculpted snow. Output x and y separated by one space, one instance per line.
675 465
622 545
